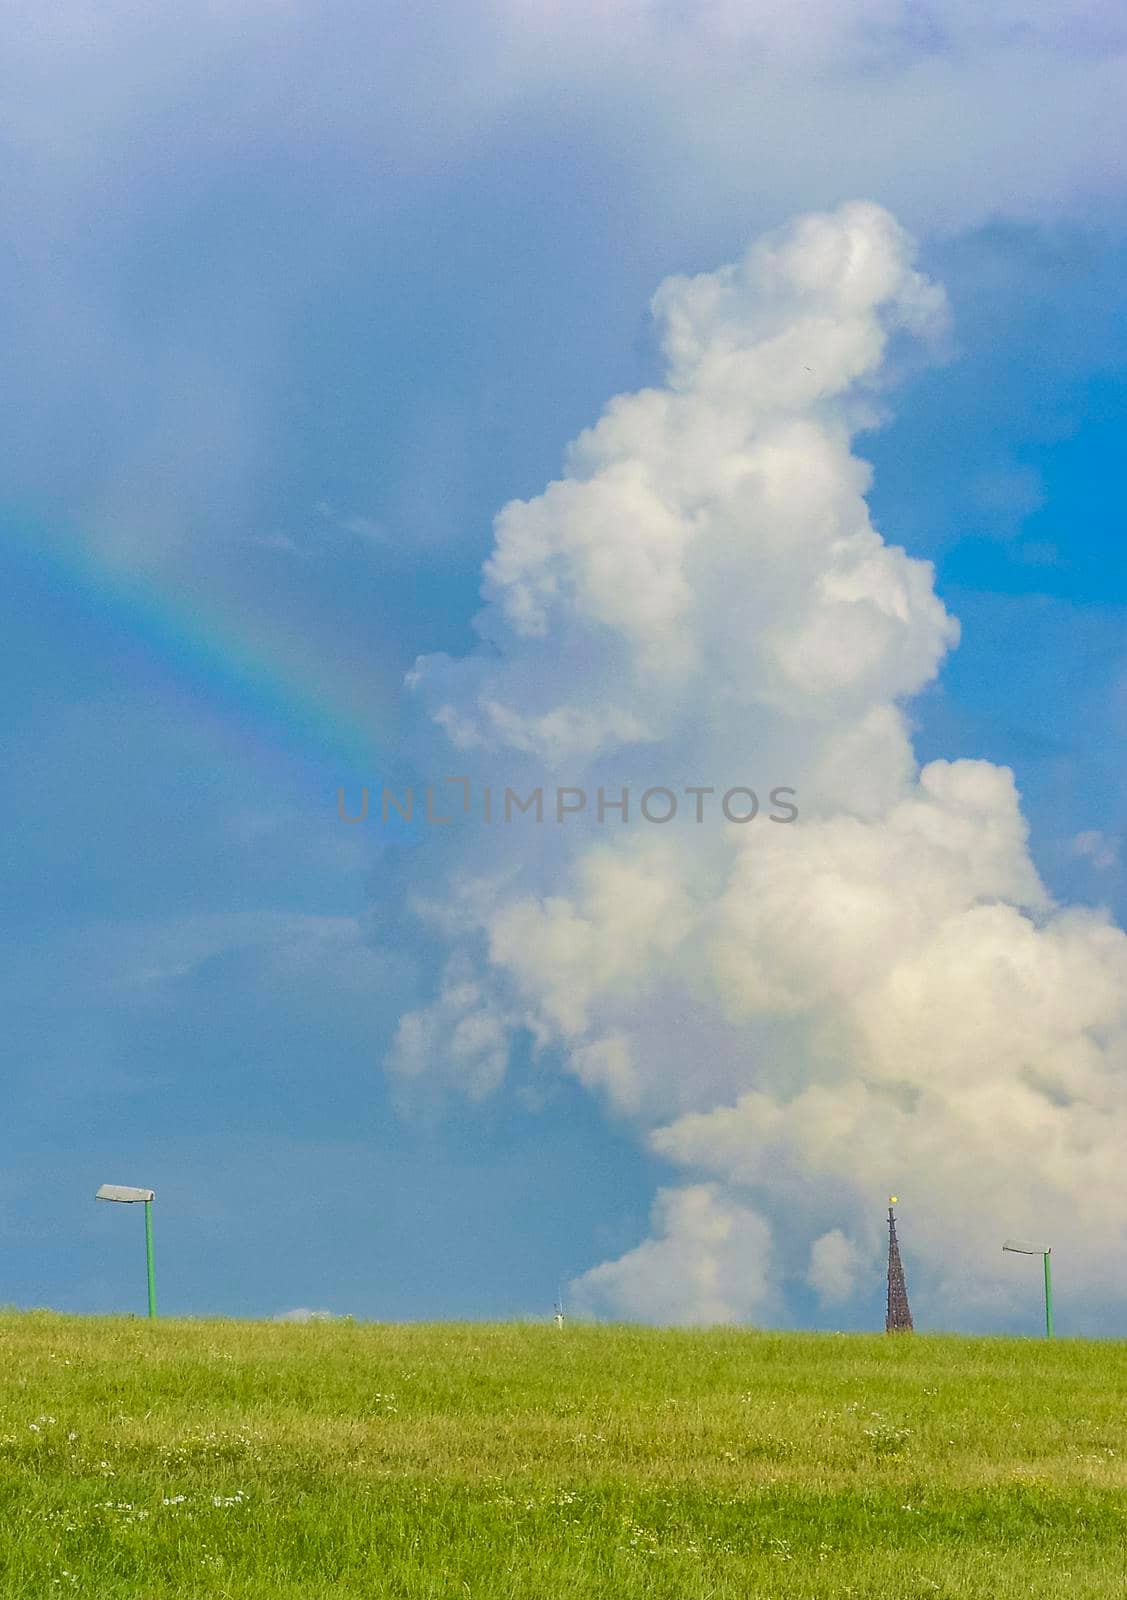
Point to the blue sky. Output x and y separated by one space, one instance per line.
293 303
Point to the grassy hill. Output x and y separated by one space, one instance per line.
346 1460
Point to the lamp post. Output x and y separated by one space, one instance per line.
117 1191
1021 1248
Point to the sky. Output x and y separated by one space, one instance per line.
568 397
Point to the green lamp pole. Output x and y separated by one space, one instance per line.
118 1191
1020 1248
148 1258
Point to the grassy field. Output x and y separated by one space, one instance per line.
255 1459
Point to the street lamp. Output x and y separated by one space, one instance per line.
1021 1248
118 1191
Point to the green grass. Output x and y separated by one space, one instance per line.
346 1460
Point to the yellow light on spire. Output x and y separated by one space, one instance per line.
892 1200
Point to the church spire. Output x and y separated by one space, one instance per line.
899 1317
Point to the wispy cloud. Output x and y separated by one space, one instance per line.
1101 849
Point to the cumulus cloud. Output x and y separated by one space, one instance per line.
463 1029
706 1263
629 564
834 1264
797 1016
305 1314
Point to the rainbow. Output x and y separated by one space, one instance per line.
279 694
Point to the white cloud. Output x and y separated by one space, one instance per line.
1101 849
1009 494
835 1262
356 523
305 1314
463 1028
692 95
706 1263
798 1016
328 959
736 478
694 120
774 104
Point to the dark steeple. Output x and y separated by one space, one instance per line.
899 1316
